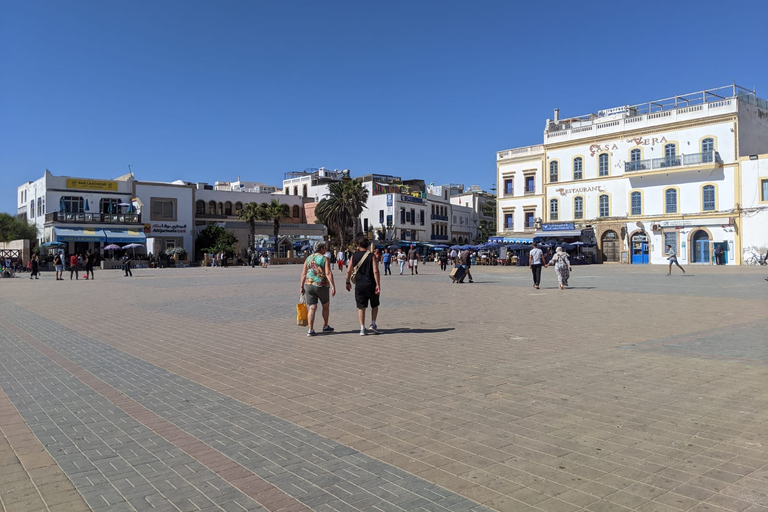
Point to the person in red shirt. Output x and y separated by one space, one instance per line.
73 266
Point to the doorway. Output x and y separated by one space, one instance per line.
700 244
640 249
609 244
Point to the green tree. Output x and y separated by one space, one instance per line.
274 211
215 239
16 228
487 227
250 213
339 211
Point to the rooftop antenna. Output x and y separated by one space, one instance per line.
130 170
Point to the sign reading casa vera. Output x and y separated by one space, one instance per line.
83 184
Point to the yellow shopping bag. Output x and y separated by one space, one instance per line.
301 312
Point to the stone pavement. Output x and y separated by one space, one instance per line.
193 389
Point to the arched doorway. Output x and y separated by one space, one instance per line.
639 248
609 243
700 243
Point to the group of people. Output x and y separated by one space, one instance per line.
77 262
318 286
260 258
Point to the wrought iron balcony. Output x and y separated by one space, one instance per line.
440 217
654 164
94 218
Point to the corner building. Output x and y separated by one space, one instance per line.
641 176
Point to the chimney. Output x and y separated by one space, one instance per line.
557 115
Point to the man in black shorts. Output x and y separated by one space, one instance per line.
367 286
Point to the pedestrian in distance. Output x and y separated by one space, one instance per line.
365 266
465 260
413 259
387 259
443 260
74 266
672 258
340 258
317 286
127 265
35 262
719 255
562 267
58 265
90 261
401 259
535 262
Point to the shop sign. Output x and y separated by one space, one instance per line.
579 190
411 199
165 228
83 184
640 238
716 221
557 226
390 199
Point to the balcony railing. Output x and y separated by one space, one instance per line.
94 218
673 161
439 237
530 192
440 217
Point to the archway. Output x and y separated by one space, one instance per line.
609 244
639 246
700 246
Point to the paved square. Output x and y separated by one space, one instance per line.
193 389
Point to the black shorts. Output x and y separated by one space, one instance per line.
363 295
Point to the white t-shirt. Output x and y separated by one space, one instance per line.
340 256
535 256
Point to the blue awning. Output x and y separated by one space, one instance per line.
79 235
120 236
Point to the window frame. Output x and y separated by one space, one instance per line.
667 203
764 190
601 173
554 171
532 178
554 213
600 205
711 157
578 213
509 221
632 195
509 186
174 202
704 201
580 170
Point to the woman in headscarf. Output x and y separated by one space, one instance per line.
562 267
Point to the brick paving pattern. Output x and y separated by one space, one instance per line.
193 389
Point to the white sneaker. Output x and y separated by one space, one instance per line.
363 332
373 329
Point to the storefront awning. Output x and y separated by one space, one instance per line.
565 233
79 235
120 236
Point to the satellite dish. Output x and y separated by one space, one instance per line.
639 224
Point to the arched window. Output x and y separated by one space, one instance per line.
553 209
221 209
634 160
553 172
602 164
238 207
636 200
578 168
304 191
708 198
578 207
670 155
670 200
296 211
228 208
604 205
287 191
295 191
212 207
708 150
200 207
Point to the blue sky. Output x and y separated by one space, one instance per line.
213 90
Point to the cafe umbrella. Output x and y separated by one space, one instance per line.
133 247
113 248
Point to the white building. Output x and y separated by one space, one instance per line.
244 186
754 202
639 177
311 184
168 215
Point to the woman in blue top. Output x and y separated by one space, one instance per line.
387 259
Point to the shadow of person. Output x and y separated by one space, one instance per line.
411 330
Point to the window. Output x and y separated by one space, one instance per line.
602 164
708 198
553 172
365 224
228 208
509 221
553 207
40 206
578 207
296 212
162 208
708 150
238 206
764 190
381 216
31 212
287 191
604 203
212 207
43 212
69 204
304 191
509 186
402 215
421 217
636 200
670 200
670 238
199 207
530 184
578 168
529 220
635 156
295 191
413 216
670 155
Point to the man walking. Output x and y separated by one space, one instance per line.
465 260
387 258
365 265
340 258
535 261
90 261
74 266
413 259
127 265
672 257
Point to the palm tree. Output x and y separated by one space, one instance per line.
344 204
274 211
250 213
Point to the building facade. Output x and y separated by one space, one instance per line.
641 177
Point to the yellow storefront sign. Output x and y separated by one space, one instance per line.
91 184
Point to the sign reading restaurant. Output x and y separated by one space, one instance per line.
84 184
579 190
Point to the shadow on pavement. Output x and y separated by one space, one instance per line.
414 331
